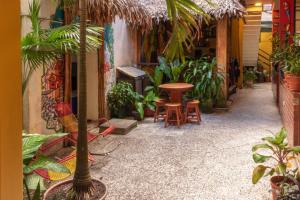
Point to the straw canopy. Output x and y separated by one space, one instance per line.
145 13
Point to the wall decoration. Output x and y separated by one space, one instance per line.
108 47
52 93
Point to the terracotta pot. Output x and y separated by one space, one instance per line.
250 83
293 82
148 112
275 185
70 182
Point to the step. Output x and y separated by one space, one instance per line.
122 126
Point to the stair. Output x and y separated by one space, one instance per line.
251 35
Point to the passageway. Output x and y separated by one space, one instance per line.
212 161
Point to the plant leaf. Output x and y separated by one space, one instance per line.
258 172
258 158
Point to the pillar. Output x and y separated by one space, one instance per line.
222 52
10 103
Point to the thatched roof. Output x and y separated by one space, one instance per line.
143 13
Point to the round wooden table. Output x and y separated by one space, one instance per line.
176 90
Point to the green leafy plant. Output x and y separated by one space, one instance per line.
277 155
156 81
249 75
275 56
292 60
172 70
120 97
33 160
142 102
205 77
41 47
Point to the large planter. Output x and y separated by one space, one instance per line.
292 82
58 191
148 112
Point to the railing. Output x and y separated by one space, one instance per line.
264 57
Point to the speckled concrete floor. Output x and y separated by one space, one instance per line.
212 161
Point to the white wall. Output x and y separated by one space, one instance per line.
124 44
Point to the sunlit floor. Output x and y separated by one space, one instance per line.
212 161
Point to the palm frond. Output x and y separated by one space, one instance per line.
41 47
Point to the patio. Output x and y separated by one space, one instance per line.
192 162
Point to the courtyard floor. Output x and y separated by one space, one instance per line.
212 161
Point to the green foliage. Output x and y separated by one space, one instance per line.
289 191
156 81
120 97
274 156
249 75
142 102
205 77
172 70
288 55
275 57
184 15
41 46
32 160
293 61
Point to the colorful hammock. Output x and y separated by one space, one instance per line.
69 121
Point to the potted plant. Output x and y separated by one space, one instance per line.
292 69
207 81
249 78
83 186
274 156
144 104
120 99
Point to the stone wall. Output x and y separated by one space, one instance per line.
289 106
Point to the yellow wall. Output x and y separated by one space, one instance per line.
266 41
10 103
266 45
237 45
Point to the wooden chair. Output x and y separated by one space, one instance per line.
160 105
173 109
192 111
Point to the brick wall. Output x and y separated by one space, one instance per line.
289 107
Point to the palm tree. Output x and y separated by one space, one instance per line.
41 47
184 16
82 182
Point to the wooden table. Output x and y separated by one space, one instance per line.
176 90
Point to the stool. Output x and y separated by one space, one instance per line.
160 104
173 108
192 111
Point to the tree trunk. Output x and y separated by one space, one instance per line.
82 183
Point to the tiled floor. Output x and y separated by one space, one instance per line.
212 161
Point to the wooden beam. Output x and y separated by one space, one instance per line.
11 170
222 51
101 81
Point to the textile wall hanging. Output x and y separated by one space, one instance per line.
52 93
108 48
